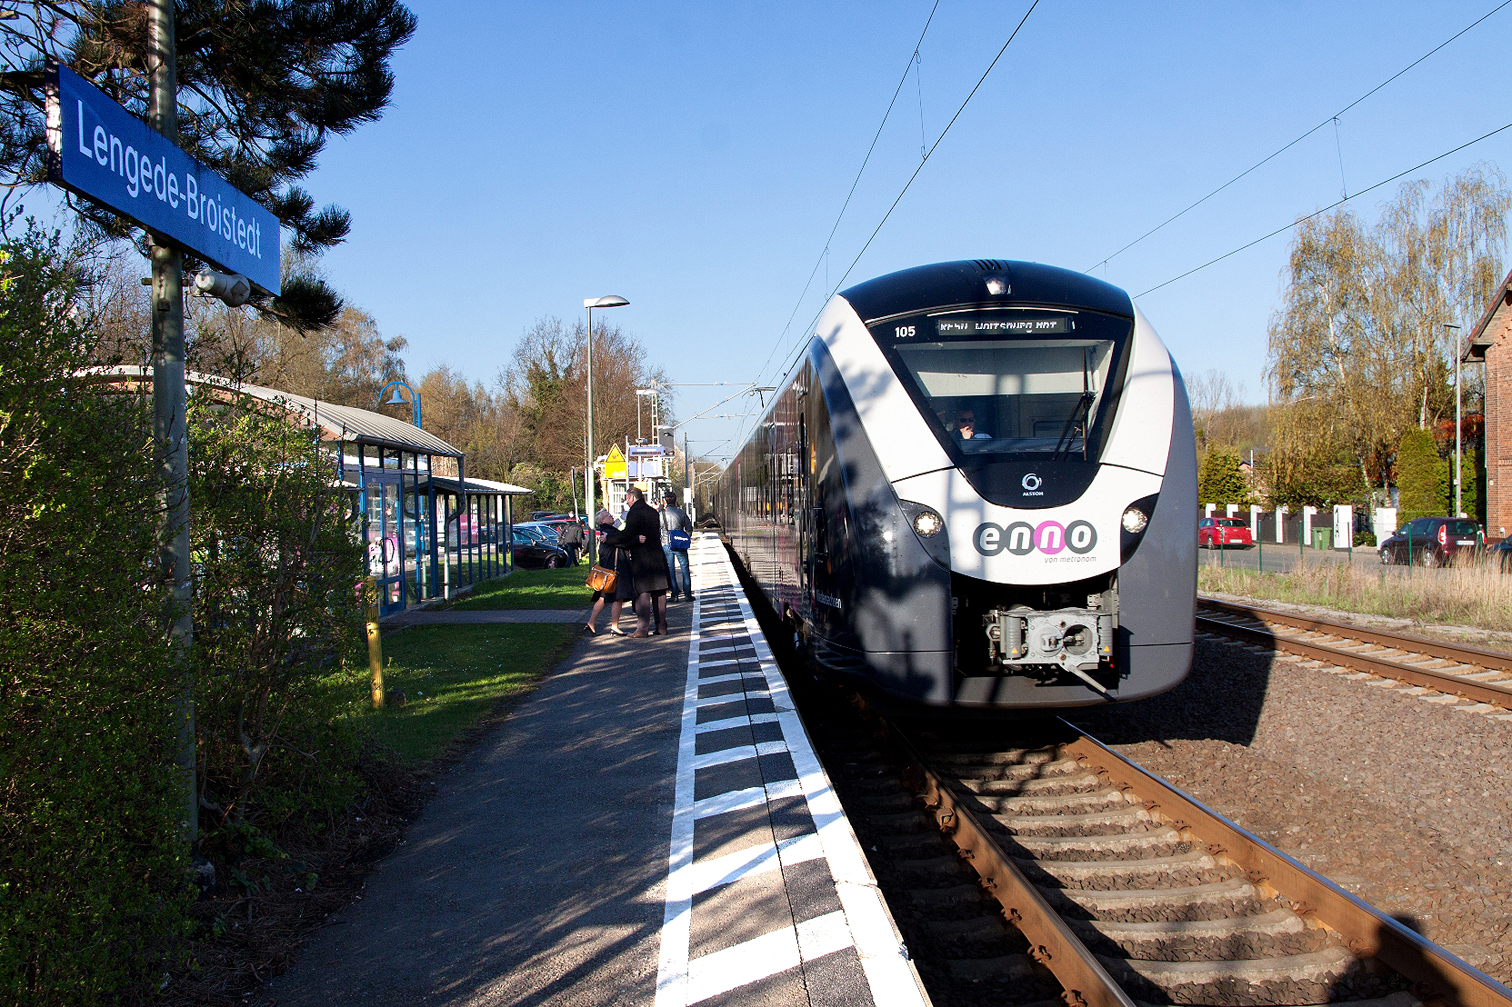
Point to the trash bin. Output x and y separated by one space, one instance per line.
1321 537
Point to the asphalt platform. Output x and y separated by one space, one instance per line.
650 826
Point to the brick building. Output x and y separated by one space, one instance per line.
1490 343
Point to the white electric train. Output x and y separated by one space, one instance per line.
977 490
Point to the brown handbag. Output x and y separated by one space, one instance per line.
602 579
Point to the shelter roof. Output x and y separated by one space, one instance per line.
477 486
344 423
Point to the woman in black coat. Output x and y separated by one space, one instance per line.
648 564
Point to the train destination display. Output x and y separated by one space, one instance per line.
98 149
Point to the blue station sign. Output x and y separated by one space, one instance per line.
99 150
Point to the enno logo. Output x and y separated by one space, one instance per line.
1021 538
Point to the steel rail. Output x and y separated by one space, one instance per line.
1386 667
1438 975
1488 659
1052 943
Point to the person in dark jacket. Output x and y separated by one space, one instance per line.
617 560
570 538
648 563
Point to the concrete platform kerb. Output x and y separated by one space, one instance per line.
838 940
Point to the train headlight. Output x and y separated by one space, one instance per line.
927 523
1134 520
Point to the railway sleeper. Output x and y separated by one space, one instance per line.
1163 841
944 755
1004 967
972 937
1053 786
1316 977
886 803
1107 799
1214 901
1016 770
1192 868
1128 818
1266 935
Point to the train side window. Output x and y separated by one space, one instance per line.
821 533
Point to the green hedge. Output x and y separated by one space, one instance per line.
95 889
92 880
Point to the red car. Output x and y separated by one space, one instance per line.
1223 532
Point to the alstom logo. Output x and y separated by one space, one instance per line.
1021 538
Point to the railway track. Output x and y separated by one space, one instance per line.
1057 870
1480 676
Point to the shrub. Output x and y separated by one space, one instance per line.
92 880
276 562
1421 479
1219 479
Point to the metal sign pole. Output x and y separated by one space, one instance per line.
169 401
588 480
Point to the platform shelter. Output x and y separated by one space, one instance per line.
431 532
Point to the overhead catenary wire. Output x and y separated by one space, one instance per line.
1332 206
823 258
1276 153
915 175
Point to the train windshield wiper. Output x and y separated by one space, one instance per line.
1082 408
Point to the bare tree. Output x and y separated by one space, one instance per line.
1358 351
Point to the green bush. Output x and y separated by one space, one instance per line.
1219 480
276 562
1421 478
92 880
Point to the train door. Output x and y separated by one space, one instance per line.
824 493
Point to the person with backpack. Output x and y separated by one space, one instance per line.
677 536
571 538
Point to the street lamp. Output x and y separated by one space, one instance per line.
413 400
607 301
1457 421
640 393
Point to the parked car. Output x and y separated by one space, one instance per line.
532 554
1501 555
1431 541
539 531
1223 532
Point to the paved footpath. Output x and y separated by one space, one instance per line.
649 827
483 616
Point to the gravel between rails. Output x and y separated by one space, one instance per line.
1402 802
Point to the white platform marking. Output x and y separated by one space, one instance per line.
863 921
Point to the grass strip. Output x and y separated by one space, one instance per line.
1472 593
564 588
454 676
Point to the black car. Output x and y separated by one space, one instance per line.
1501 555
1431 541
534 555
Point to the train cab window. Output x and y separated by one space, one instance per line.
1010 382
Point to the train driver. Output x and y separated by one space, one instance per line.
966 427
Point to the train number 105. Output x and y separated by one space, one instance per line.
904 331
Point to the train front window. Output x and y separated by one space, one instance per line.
1010 382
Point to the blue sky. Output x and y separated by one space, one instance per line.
693 158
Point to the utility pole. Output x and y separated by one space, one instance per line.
169 423
1458 418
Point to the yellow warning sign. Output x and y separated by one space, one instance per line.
614 464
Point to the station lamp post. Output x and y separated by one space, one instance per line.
1458 420
641 393
607 301
413 401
